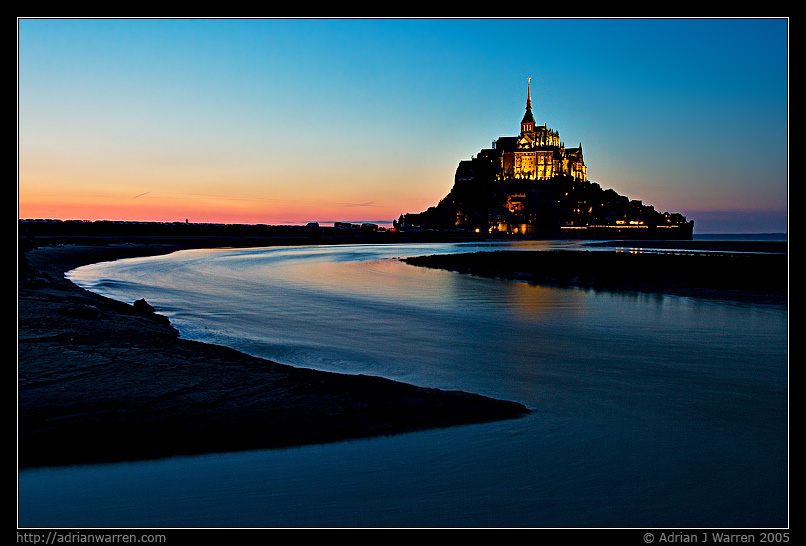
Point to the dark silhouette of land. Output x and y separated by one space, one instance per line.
558 208
742 271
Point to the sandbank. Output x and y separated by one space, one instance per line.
749 272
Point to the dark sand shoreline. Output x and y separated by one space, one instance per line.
103 381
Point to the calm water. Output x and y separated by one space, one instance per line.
649 411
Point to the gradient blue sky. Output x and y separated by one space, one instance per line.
288 121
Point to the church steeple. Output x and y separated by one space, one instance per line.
528 121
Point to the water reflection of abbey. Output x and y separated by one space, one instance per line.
533 184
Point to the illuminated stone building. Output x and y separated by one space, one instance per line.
535 154
532 185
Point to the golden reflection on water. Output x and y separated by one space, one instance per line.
393 280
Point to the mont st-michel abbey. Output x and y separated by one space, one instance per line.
532 184
536 154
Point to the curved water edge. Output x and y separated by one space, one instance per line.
308 306
649 410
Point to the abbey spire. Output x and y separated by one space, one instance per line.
528 121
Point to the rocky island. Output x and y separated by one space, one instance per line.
532 184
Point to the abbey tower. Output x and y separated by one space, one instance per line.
536 154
